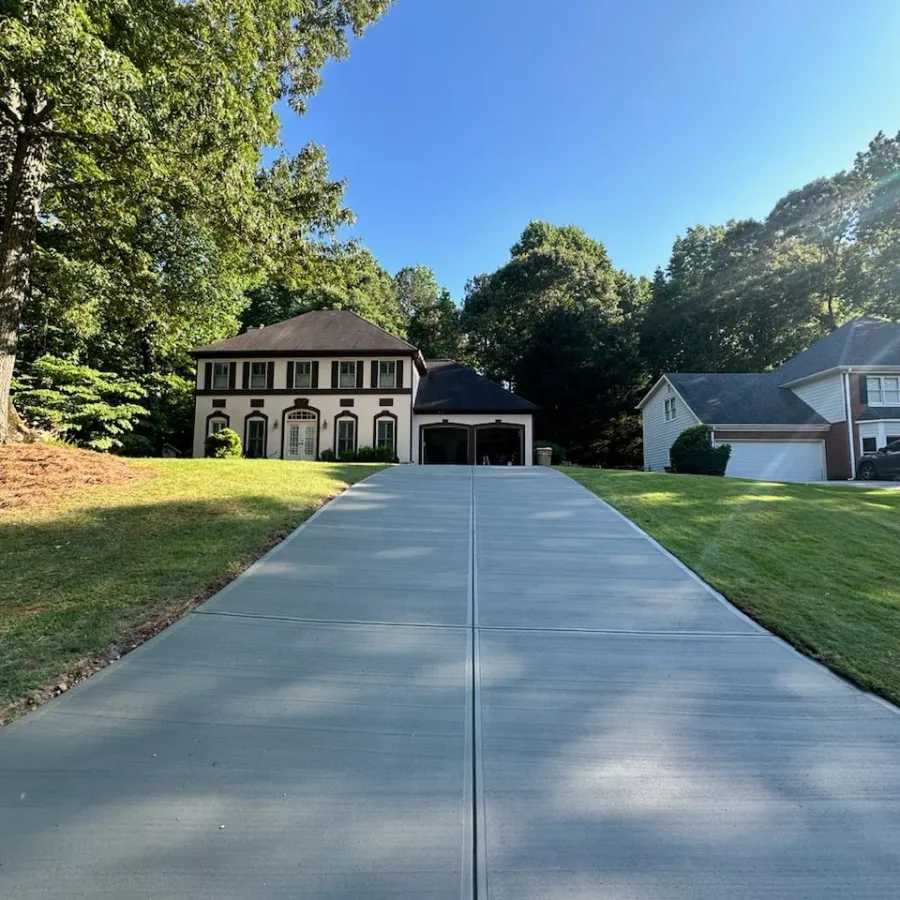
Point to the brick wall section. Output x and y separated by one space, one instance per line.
837 449
837 453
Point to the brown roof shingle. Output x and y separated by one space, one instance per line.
326 331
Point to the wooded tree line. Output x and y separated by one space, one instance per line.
140 219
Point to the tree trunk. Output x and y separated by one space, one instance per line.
24 166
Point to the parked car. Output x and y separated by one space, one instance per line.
884 463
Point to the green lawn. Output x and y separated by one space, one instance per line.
90 571
816 565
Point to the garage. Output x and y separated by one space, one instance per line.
445 445
499 444
777 460
459 444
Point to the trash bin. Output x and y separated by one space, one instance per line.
543 455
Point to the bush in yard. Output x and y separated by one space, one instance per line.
327 455
347 456
375 454
559 452
693 454
223 444
84 406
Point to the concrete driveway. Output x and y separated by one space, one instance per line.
457 683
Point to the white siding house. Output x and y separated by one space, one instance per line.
825 395
661 426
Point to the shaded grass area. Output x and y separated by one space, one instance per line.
109 566
817 565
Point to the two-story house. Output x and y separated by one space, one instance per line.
330 379
808 420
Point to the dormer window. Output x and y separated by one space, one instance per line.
387 374
221 376
258 376
347 375
671 409
883 390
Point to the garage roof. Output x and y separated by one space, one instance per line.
742 399
452 387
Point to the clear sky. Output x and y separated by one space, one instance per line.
457 121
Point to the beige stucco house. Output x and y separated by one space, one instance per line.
330 379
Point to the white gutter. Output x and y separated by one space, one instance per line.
848 408
836 370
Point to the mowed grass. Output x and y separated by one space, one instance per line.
815 564
89 569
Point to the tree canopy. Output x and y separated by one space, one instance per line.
131 140
147 208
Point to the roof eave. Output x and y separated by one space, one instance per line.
205 353
787 426
837 370
431 411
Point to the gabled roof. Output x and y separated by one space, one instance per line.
742 399
450 387
326 331
859 342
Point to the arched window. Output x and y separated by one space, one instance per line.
301 415
216 423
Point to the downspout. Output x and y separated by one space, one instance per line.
848 409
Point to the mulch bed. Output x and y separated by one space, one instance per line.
37 474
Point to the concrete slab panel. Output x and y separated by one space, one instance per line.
682 767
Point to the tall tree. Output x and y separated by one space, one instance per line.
117 112
334 276
559 324
433 316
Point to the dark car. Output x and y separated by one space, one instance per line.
883 464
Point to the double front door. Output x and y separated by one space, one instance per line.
300 440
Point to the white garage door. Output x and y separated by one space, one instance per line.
777 460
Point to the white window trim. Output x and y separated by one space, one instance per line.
264 376
881 390
216 420
388 421
307 375
226 375
341 374
340 425
387 379
671 410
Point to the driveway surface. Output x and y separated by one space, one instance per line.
457 683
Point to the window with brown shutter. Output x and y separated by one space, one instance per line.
289 383
399 373
232 376
245 377
315 374
359 374
335 373
270 376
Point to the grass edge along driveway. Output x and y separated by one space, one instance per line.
105 569
815 564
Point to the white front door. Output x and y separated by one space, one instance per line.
300 441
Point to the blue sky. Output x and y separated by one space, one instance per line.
457 121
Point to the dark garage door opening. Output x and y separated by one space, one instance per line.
499 445
445 446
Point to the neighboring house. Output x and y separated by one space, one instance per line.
808 420
332 380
